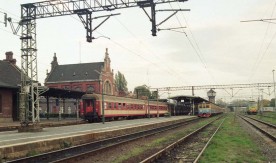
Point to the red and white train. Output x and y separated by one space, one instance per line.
207 109
119 107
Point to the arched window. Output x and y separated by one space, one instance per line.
107 88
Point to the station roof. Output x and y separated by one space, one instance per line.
10 75
62 93
196 99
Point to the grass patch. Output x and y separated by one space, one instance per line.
232 144
269 117
32 153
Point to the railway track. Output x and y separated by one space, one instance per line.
188 148
269 130
72 154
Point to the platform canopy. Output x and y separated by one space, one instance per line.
186 98
61 93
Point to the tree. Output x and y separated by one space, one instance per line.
240 103
265 103
120 82
142 91
272 102
221 103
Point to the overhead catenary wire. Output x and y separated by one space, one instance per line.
196 48
153 53
260 55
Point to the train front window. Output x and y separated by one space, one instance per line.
88 103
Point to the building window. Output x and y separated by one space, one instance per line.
0 103
90 89
107 87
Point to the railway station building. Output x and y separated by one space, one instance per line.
10 79
93 77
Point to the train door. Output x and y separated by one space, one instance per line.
90 111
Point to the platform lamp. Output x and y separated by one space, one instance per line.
274 91
101 80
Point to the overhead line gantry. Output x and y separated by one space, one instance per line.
30 12
229 86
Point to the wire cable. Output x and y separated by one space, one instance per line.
261 56
152 53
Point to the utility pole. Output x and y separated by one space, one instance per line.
157 103
274 91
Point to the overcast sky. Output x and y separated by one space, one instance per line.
216 49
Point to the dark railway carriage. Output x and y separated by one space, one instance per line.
185 105
119 107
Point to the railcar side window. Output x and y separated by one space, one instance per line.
119 105
115 105
109 105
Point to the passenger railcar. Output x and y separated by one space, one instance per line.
119 107
252 107
207 109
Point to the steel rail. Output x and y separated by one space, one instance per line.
272 137
173 145
199 155
263 122
66 155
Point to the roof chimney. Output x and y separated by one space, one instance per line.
9 57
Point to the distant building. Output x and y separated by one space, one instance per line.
10 79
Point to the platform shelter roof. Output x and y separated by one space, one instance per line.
62 93
196 99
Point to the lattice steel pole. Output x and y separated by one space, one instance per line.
29 110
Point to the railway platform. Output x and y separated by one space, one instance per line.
52 122
14 144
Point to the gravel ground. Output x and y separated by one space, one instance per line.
110 155
268 147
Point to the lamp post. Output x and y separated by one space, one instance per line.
274 91
157 103
103 119
101 81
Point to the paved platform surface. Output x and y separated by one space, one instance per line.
7 126
13 138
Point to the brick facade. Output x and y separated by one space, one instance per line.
7 105
9 88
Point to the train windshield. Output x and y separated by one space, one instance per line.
252 104
204 110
